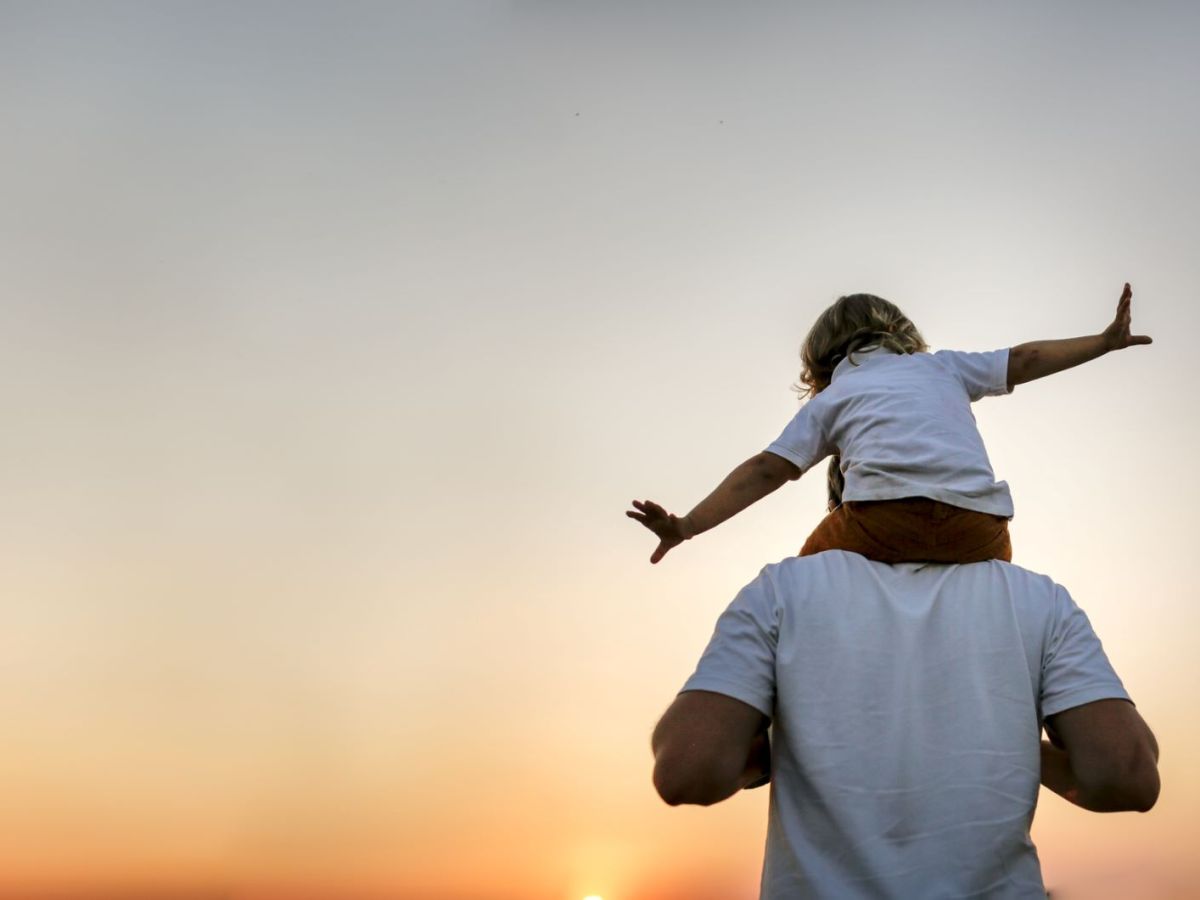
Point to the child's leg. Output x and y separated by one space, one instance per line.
964 536
878 530
913 529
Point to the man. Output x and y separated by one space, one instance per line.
906 706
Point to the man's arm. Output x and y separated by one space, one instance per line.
707 747
745 485
1037 359
1108 761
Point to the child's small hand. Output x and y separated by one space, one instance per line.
1116 335
671 530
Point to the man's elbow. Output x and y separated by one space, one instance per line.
1129 796
1148 797
674 792
678 785
1143 788
1133 788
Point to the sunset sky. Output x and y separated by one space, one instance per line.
337 338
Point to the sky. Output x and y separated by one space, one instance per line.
338 337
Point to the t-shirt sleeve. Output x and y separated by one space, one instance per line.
982 374
1075 669
804 441
739 661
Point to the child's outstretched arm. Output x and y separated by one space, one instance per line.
1037 359
748 483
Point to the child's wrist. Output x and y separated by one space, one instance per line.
687 528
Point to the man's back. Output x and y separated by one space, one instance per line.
907 704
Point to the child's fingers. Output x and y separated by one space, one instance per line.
651 522
661 550
1141 339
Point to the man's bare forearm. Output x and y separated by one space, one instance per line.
707 747
747 484
1056 773
1058 776
1037 359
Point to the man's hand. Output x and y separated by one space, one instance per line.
758 764
1117 336
671 530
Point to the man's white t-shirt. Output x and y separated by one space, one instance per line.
903 425
906 705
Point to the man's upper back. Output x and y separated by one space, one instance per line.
907 704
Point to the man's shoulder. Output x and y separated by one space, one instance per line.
845 558
836 591
842 566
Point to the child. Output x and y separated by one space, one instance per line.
897 420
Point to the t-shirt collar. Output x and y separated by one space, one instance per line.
860 355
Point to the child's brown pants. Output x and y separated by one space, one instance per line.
914 529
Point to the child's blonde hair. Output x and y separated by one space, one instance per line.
853 322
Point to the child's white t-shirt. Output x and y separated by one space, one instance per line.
903 426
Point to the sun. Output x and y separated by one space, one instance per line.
593 897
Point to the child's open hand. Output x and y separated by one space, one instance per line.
1116 335
671 530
